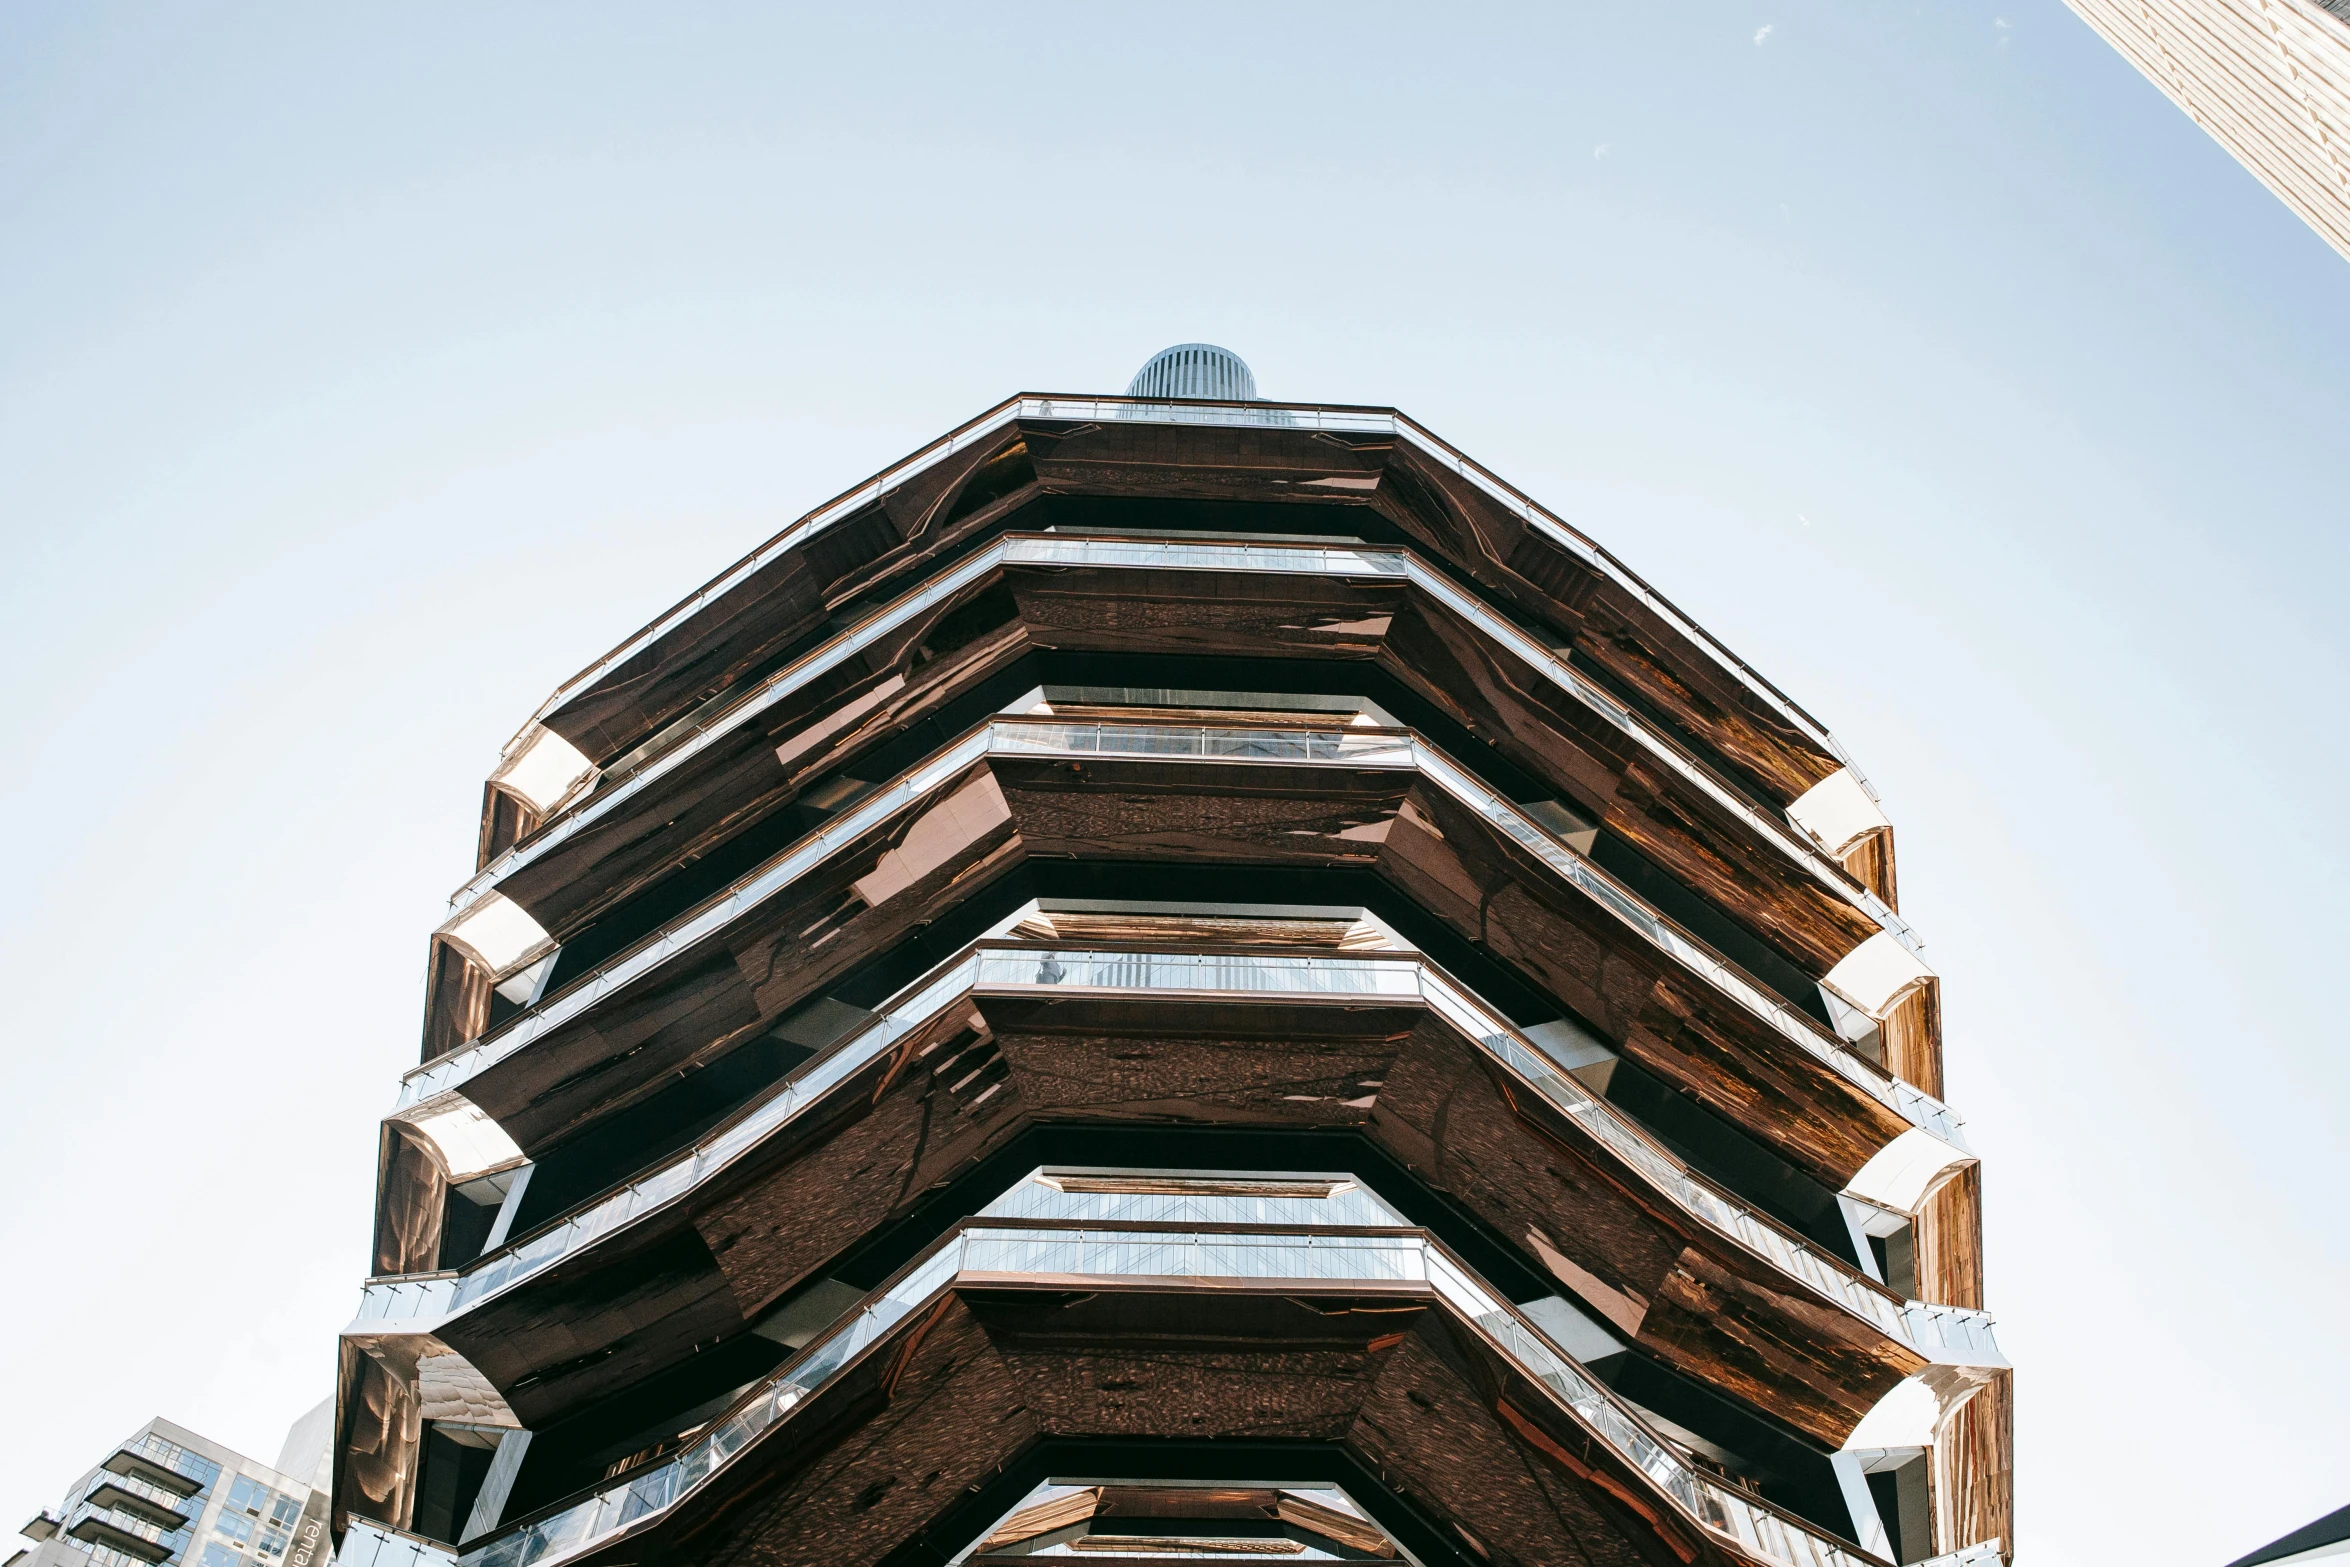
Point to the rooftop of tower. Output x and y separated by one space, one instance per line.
1195 370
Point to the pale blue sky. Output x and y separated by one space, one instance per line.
361 376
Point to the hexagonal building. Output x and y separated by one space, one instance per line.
1175 976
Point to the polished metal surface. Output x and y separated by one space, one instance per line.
1186 872
1195 370
1938 1333
1057 1257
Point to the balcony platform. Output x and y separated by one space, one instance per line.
129 1461
144 1508
97 1531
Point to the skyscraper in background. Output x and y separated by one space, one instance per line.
1176 975
2270 79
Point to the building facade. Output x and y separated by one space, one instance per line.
1176 975
2327 1538
2269 79
166 1497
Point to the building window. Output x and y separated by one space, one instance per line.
173 1456
249 1496
278 1532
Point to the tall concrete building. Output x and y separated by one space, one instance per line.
1176 976
2269 79
166 1497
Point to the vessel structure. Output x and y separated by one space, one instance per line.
1176 975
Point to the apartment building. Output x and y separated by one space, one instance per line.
167 1497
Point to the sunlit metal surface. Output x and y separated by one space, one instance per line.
727 844
1350 748
1195 370
1940 1333
674 749
1305 416
1412 1265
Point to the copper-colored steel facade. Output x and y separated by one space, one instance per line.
1214 798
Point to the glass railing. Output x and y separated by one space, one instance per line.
991 1254
129 1523
1145 741
1953 1335
185 1504
1719 1211
707 725
108 1556
199 1469
408 1298
1831 875
1245 973
1338 746
671 751
1306 416
371 1544
1129 1197
1278 557
713 1153
1919 1108
1983 1553
1400 748
1938 1332
1512 499
439 1076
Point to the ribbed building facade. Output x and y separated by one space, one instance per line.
2269 79
1176 977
